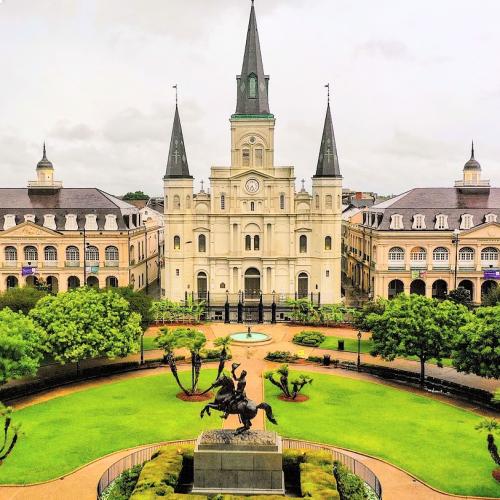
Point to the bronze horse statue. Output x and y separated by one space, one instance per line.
226 401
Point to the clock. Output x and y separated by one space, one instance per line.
252 186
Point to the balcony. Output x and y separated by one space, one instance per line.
50 263
396 265
72 263
441 264
11 263
30 263
111 263
466 265
42 184
489 264
418 264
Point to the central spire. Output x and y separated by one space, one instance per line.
252 90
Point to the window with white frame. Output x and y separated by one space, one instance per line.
72 253
10 253
466 221
489 255
396 254
50 253
466 254
92 253
490 218
396 222
440 255
441 221
30 253
222 201
418 254
418 221
111 253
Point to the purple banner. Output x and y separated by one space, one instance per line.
28 271
491 274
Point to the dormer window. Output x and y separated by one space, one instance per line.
490 218
71 223
110 223
9 221
418 221
441 221
49 220
466 221
396 222
252 86
29 218
91 222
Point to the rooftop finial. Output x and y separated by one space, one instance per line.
472 151
252 2
328 92
303 184
175 87
44 151
202 182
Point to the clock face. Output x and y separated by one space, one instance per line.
252 185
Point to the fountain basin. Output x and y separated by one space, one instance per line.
255 338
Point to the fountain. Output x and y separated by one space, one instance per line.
249 337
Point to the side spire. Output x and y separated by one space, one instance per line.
252 84
44 162
328 160
177 164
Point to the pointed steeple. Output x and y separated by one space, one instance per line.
44 162
177 164
252 84
328 160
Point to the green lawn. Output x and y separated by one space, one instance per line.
349 344
66 432
434 441
149 344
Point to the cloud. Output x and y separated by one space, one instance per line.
78 132
393 50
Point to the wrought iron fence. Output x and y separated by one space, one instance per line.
141 456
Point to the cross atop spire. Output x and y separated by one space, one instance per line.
177 164
328 93
328 161
252 84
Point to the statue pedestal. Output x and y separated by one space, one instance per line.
248 464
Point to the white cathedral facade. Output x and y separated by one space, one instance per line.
252 233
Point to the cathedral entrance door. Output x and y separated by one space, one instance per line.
303 286
202 284
252 283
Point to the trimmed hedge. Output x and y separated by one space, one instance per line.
282 356
309 338
350 486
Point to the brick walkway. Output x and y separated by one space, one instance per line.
397 485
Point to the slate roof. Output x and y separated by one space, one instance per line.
328 160
79 201
434 201
252 65
177 164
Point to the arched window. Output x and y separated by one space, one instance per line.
12 282
245 157
282 201
440 255
303 243
92 253
302 285
30 253
418 254
317 200
328 202
111 282
328 243
177 243
202 243
111 253
256 242
177 202
489 254
248 242
252 206
222 201
396 254
252 86
10 253
72 253
50 253
466 254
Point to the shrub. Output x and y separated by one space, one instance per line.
123 486
283 356
350 486
309 337
21 299
212 354
317 482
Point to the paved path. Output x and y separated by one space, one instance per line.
81 485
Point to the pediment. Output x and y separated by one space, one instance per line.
250 172
488 231
29 229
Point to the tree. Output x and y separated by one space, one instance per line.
477 346
85 323
187 338
20 346
10 433
491 426
283 382
460 296
360 316
492 297
303 311
137 195
139 302
223 343
21 299
413 325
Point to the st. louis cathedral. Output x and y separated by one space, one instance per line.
251 234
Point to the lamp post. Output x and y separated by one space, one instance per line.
455 240
84 257
359 350
142 348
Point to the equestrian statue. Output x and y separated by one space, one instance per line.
233 400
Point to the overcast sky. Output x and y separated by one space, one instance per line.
412 82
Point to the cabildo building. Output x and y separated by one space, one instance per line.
251 234
428 240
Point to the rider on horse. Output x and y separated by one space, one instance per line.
239 393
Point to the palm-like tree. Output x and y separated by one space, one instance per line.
283 383
223 343
167 341
10 433
491 426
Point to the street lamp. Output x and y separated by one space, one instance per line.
359 350
455 241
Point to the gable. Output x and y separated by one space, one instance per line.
29 229
251 172
484 231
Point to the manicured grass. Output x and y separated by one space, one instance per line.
149 344
434 441
66 432
350 345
